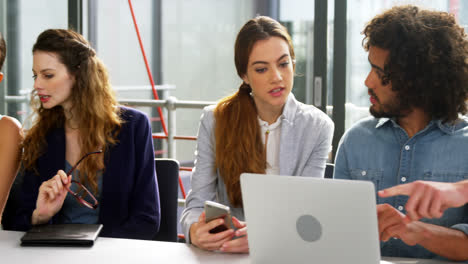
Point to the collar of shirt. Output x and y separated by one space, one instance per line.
290 108
289 112
266 127
272 146
447 127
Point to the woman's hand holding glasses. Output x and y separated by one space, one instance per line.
52 193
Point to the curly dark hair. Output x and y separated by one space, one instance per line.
428 59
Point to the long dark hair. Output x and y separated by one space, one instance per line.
239 146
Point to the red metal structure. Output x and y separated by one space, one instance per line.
155 94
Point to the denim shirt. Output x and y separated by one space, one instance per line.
379 150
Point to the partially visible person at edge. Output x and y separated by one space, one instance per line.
76 114
10 141
429 199
261 128
418 86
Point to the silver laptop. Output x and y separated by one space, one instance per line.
308 220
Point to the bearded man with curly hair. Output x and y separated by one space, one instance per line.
418 86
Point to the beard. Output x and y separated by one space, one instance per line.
392 109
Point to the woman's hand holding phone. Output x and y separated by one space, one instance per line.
201 237
214 210
241 243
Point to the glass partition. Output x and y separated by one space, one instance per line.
22 21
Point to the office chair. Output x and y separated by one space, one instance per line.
167 173
329 170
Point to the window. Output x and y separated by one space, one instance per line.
357 100
23 22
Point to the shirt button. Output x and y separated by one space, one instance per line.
363 173
407 147
400 208
403 179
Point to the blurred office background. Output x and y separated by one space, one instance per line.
189 44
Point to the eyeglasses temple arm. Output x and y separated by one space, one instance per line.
82 158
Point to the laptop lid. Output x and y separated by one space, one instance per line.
294 219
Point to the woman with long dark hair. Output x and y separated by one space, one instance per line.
261 128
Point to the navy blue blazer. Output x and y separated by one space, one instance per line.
129 206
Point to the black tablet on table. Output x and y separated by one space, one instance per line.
82 235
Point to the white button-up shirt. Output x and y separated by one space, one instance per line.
273 143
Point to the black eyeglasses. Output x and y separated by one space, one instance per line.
83 196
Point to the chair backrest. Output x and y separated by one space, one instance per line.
167 173
329 170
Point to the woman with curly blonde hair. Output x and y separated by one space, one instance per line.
76 118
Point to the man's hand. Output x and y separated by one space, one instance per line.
392 223
429 199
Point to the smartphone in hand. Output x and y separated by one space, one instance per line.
214 211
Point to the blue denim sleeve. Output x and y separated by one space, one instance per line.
461 227
341 164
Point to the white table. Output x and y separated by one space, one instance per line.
113 250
